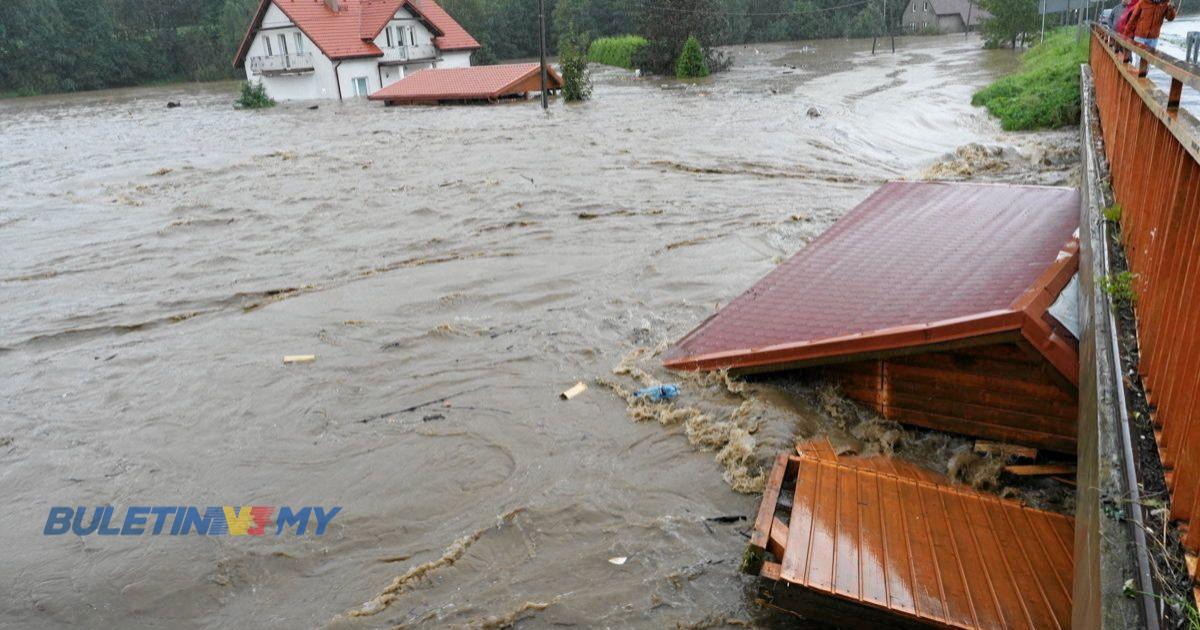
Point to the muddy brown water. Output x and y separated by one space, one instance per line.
156 264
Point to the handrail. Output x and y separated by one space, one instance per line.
1181 72
1165 106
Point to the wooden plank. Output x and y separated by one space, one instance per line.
985 447
960 609
1018 562
1047 390
777 542
984 604
993 563
800 528
926 585
766 507
872 553
1053 407
846 574
981 413
822 547
897 558
1047 441
1039 470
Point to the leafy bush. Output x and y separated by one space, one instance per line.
1045 93
691 60
577 80
616 51
1112 214
254 96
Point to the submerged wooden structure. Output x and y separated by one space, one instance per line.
476 84
931 303
872 542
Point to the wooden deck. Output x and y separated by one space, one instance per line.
870 541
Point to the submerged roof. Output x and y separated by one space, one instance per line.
916 263
910 546
350 32
473 83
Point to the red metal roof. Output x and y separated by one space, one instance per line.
451 84
350 32
913 264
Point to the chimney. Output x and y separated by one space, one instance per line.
334 5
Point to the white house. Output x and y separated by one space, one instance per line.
943 16
325 49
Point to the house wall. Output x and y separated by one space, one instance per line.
328 76
998 392
312 85
918 14
455 59
952 23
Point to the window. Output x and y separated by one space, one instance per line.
267 45
388 31
299 43
412 36
927 6
360 86
283 47
914 6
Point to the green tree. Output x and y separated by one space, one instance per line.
691 61
668 24
1011 20
572 58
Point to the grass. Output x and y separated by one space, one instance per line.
1119 287
1044 94
1112 214
616 51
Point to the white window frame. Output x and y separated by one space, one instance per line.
366 88
299 37
267 43
412 36
283 44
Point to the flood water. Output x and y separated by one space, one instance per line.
156 265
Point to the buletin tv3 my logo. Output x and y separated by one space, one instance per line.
185 520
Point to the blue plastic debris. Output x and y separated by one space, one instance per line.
659 392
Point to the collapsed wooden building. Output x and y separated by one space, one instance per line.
932 303
938 305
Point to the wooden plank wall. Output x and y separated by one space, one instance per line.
1001 392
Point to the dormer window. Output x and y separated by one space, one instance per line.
400 36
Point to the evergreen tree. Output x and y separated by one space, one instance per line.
691 61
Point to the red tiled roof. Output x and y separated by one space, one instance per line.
913 264
350 32
452 84
454 36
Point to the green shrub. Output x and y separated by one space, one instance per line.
1119 287
577 80
691 61
1045 93
254 96
616 51
1112 214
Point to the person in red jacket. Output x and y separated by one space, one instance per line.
1123 17
1146 19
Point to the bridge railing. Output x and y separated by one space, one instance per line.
1153 150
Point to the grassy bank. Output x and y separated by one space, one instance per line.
616 51
1044 94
